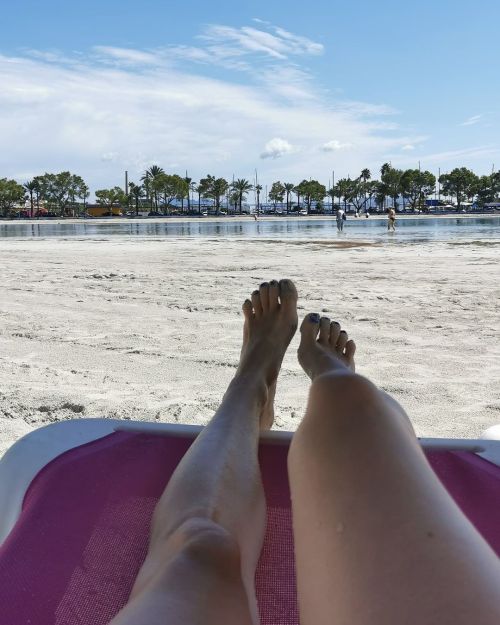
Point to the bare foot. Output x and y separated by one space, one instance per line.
270 323
324 346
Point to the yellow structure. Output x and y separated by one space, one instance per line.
103 211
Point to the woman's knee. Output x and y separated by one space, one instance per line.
339 405
338 394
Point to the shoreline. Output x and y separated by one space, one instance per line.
236 218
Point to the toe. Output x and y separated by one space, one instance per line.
350 350
247 309
264 296
324 330
334 333
342 341
288 296
274 291
257 304
310 327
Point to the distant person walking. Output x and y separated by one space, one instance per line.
391 220
341 217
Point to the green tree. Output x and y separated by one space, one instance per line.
111 197
416 185
460 183
31 187
277 193
60 190
241 187
150 180
311 191
136 192
365 175
214 188
168 187
488 188
390 182
289 187
258 189
343 189
11 193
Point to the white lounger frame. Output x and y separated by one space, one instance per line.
32 452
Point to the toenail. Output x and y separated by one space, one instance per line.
255 292
314 318
264 284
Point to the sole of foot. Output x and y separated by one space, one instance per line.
324 346
270 323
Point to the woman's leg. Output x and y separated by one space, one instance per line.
208 526
378 540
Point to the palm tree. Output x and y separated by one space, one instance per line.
136 190
188 182
148 178
258 189
31 186
200 189
289 187
365 175
241 187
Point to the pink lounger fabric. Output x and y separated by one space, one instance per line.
82 536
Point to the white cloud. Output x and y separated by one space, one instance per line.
109 156
112 109
458 156
128 55
275 148
268 40
471 121
408 147
335 145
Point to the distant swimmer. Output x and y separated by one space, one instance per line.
391 220
341 217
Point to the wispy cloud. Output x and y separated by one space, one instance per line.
112 108
407 147
471 121
459 155
271 41
128 55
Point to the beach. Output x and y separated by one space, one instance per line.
150 329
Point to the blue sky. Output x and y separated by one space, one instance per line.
292 90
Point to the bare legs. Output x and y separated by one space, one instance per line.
377 538
208 526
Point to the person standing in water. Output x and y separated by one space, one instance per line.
340 219
391 220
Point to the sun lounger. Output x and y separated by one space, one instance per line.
76 499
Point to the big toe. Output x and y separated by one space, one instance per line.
309 328
288 295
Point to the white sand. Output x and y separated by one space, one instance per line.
150 329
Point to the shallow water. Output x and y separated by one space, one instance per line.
371 229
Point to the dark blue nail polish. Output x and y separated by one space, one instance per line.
314 318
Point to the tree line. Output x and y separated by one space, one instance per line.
66 194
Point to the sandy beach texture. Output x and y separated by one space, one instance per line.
150 329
